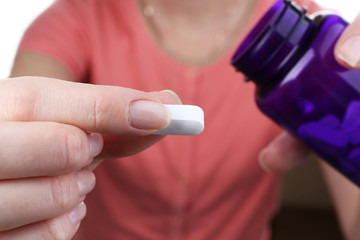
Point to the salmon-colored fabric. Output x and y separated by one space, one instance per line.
200 187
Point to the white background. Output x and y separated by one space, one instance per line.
16 15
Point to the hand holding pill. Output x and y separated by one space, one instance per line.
52 131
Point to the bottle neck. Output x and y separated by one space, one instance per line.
275 44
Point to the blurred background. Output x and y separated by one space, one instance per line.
16 15
307 209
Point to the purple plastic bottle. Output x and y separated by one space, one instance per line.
290 57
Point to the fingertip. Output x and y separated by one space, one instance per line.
262 160
148 115
346 55
271 161
77 214
346 49
96 144
283 154
169 97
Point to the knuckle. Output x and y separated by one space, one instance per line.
64 192
101 107
18 99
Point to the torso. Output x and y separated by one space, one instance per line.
200 34
204 187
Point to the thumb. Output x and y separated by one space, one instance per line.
347 50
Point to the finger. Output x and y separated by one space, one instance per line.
167 97
122 146
347 50
126 145
61 228
284 153
32 200
102 109
30 149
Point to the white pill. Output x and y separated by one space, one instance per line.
185 120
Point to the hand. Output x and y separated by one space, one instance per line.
293 153
50 130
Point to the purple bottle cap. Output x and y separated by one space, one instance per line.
272 47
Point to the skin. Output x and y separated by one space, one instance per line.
192 33
55 167
47 177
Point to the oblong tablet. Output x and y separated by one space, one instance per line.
185 120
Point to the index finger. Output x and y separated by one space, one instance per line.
284 153
103 109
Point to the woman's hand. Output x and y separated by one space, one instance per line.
50 131
285 152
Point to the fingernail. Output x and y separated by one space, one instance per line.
148 115
77 214
261 160
96 144
173 95
85 181
348 51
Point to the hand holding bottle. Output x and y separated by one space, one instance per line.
293 152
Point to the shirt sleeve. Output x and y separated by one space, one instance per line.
60 32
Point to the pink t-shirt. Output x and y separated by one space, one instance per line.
201 187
